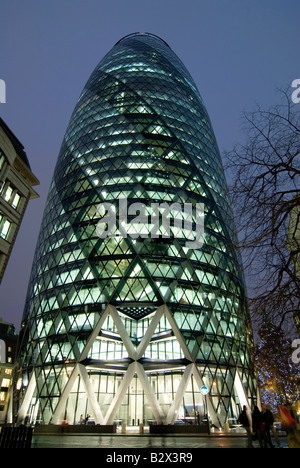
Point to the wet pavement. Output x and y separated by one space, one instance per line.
145 442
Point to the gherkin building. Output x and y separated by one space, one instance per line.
136 325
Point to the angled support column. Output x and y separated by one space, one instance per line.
57 415
172 414
91 395
26 400
123 333
178 335
150 331
154 405
9 415
210 407
94 335
240 390
115 404
258 399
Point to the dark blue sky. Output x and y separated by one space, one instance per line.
238 52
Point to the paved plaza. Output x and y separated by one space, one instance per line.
111 442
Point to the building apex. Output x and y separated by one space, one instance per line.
140 34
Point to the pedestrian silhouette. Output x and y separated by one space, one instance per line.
246 423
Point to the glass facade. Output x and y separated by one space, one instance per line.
128 328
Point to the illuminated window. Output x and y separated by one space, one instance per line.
15 201
8 193
5 383
19 384
11 196
5 228
2 396
2 160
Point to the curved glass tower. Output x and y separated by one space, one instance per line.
126 319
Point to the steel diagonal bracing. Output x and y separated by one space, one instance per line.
135 368
124 317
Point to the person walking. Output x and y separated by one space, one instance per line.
246 423
258 426
268 420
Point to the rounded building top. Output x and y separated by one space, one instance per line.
139 34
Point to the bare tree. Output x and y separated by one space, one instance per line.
265 193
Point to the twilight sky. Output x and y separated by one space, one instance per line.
238 52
